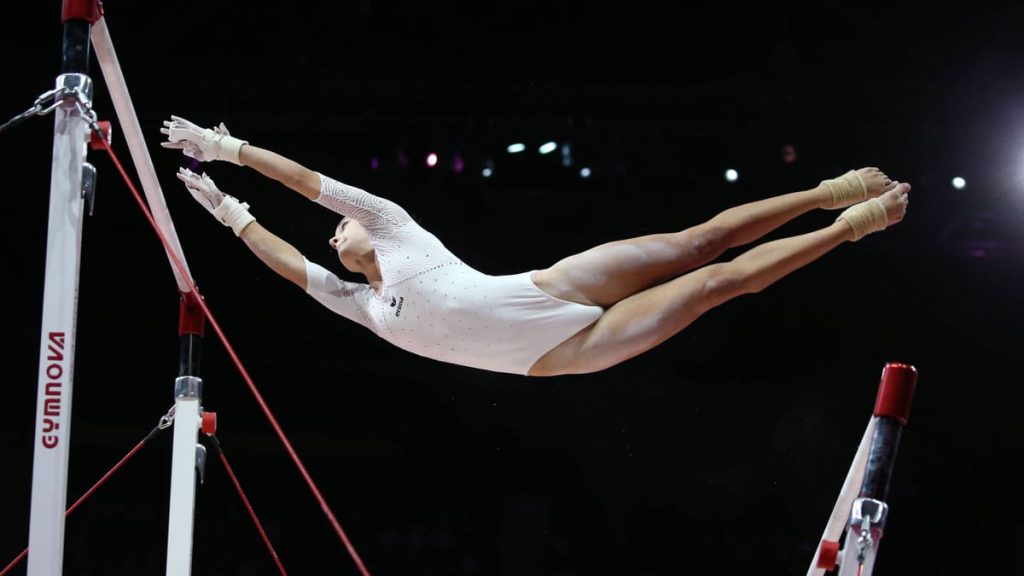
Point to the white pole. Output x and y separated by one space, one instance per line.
188 391
841 511
57 342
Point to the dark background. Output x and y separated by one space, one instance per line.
720 452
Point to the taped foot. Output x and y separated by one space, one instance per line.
877 213
856 186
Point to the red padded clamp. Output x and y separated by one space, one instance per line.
828 555
209 425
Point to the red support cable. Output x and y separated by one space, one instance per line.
15 562
248 506
241 369
85 496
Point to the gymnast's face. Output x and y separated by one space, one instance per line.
352 244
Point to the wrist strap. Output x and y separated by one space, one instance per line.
234 214
231 149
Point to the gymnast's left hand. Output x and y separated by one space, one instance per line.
202 188
225 208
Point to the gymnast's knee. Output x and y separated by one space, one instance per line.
706 241
726 281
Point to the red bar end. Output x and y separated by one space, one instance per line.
896 391
88 10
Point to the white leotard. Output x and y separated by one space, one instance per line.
435 305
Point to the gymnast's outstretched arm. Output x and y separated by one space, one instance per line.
278 255
206 144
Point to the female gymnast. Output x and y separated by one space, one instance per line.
585 313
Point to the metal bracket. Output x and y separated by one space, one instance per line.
201 462
89 185
188 387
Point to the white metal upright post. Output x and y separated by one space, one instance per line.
69 172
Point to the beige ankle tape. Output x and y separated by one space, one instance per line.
865 218
847 189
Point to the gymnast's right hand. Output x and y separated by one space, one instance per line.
224 207
203 144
